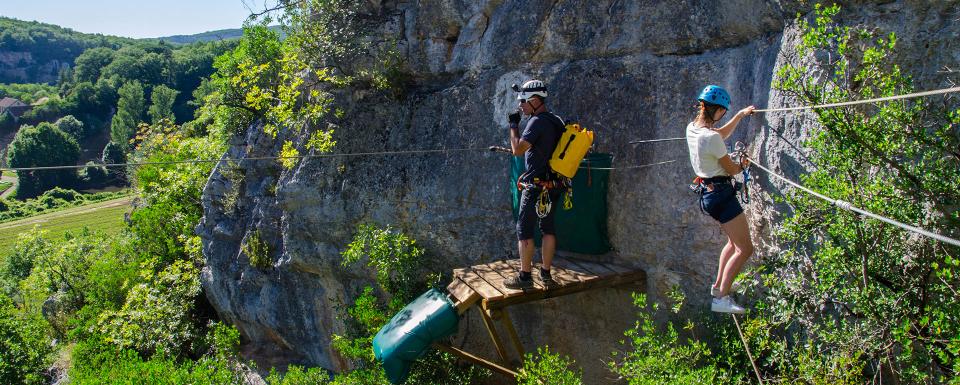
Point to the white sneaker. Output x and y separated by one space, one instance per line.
715 291
726 305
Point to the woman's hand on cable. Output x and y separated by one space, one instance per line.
746 111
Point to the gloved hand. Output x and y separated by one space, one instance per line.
514 118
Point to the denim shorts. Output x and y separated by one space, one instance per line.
721 203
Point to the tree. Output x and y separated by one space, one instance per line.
24 351
129 114
162 107
113 154
43 145
870 299
88 65
7 121
72 126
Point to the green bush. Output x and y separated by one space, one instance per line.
96 361
19 264
93 175
156 317
297 375
400 274
223 339
164 226
72 126
257 251
64 194
657 355
850 295
24 347
548 368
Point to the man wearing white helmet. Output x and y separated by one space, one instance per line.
536 143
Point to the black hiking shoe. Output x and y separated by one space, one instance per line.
546 278
518 283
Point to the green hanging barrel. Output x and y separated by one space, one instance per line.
582 229
429 318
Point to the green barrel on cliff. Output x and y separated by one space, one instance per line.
429 318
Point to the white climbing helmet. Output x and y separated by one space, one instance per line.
531 88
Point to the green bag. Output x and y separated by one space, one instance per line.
582 229
429 318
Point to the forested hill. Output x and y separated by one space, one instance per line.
221 34
34 52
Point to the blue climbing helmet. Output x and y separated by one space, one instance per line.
715 95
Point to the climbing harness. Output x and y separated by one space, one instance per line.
544 203
740 153
701 186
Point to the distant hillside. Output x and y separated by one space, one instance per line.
34 52
223 34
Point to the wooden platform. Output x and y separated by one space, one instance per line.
483 285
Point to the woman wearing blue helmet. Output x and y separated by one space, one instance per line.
714 169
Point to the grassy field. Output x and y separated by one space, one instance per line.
4 186
103 216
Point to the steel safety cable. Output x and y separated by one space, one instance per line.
865 101
850 207
341 155
629 167
829 105
747 348
656 140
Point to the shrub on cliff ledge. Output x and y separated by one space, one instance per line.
401 274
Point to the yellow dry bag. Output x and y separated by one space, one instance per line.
571 149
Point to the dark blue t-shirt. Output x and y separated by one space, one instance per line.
543 133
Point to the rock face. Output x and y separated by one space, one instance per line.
20 67
628 69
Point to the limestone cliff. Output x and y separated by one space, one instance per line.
21 67
628 69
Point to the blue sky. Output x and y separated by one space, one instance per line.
131 18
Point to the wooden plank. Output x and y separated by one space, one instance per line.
492 330
481 286
508 324
464 296
510 267
496 280
618 268
562 276
577 271
594 283
459 290
476 360
597 268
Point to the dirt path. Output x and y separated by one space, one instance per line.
6 194
68 212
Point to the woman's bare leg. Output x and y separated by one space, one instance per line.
725 254
738 232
